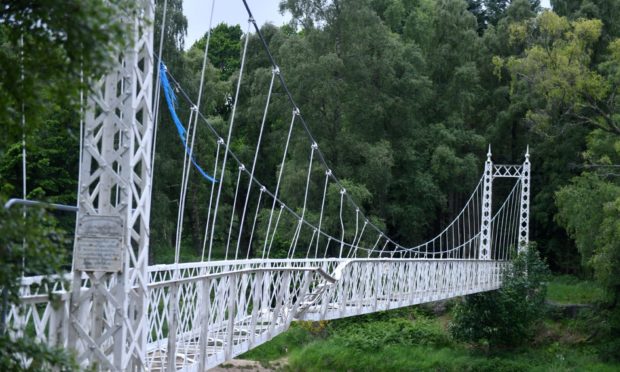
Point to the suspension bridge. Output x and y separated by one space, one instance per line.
118 313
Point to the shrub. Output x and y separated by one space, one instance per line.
505 317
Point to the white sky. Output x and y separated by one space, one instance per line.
228 11
233 12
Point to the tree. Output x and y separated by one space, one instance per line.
589 208
476 7
408 93
30 246
75 39
607 11
49 53
505 317
556 66
224 48
495 10
570 99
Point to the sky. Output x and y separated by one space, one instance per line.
228 11
233 12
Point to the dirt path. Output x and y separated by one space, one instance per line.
241 365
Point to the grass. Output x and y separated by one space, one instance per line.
331 355
418 342
411 339
567 289
293 339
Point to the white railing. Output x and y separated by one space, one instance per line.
201 314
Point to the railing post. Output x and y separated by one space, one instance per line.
173 324
484 252
257 305
303 291
524 215
205 307
232 313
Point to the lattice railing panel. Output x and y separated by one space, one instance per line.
227 309
224 309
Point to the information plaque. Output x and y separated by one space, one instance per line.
99 244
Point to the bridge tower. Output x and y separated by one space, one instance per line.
524 213
492 171
484 252
107 313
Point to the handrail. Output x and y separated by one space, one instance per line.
34 203
330 278
164 283
258 260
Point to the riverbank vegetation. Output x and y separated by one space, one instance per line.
419 338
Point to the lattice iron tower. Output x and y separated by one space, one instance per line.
491 172
107 313
487 198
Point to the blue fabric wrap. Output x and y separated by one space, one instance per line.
171 101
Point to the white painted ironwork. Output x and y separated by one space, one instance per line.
228 307
487 197
249 302
107 311
194 316
507 171
524 215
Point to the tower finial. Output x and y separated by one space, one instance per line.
489 153
527 154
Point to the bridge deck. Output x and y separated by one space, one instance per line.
201 314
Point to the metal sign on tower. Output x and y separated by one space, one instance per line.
107 322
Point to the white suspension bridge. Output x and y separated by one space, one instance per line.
118 313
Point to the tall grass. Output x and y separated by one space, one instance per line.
569 289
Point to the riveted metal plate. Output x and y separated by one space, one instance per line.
99 244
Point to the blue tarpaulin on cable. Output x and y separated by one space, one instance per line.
171 101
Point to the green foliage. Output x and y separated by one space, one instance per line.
407 339
556 67
294 338
359 343
29 246
563 79
505 317
224 48
22 242
346 349
75 39
373 335
50 53
43 358
571 290
588 211
321 356
607 11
